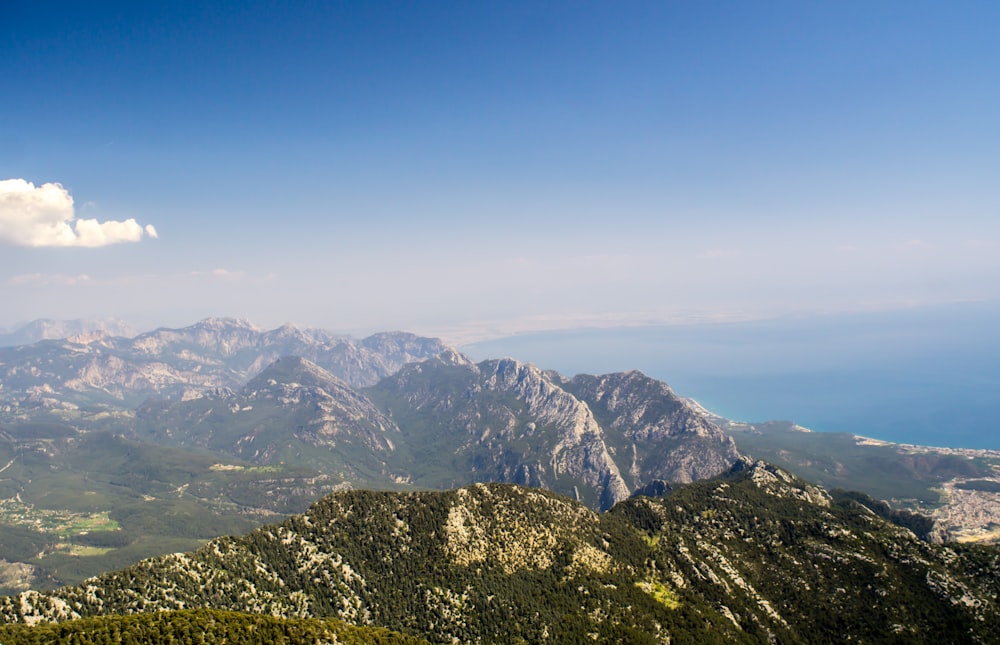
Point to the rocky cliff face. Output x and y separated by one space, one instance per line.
754 556
594 438
571 444
653 433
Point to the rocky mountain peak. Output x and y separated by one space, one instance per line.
224 324
778 482
402 347
661 435
455 358
286 332
508 373
223 337
294 371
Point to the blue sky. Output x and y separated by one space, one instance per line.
475 168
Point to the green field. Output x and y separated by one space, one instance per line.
75 503
62 523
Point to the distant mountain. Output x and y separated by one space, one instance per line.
754 556
118 372
80 330
293 412
181 422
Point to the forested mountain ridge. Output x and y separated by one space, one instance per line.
753 556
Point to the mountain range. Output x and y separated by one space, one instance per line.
391 408
224 424
114 449
114 372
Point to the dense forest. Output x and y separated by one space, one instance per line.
197 627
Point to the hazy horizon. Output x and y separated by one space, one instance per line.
497 166
924 376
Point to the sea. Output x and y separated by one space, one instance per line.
923 375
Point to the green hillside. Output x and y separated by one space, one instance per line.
754 556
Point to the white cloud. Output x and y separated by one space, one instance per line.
47 279
44 216
221 274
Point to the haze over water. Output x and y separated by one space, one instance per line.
926 376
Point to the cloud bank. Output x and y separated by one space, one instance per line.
44 216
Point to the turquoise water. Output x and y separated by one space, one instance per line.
926 376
